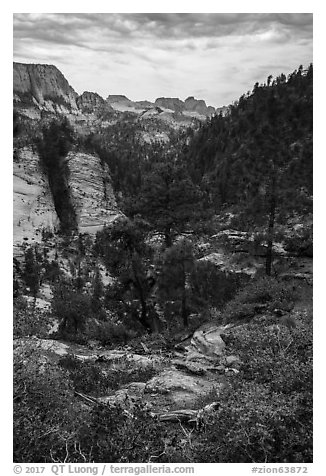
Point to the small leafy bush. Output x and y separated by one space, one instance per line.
265 293
46 414
265 415
209 285
255 424
301 243
112 435
28 321
86 377
94 379
73 308
109 333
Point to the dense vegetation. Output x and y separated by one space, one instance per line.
227 191
122 146
265 414
53 146
258 158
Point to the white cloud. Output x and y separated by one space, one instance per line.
148 55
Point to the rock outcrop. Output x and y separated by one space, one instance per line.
43 85
175 104
179 388
114 98
121 103
90 102
92 192
191 106
34 211
198 105
33 205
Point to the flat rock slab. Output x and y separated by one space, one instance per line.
55 349
180 388
190 367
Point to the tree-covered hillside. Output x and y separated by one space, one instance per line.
268 128
257 160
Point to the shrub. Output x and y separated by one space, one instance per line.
255 424
46 414
264 293
109 333
73 308
28 321
87 377
112 435
301 243
94 379
266 413
212 286
31 271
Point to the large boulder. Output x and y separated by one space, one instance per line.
180 388
125 397
206 345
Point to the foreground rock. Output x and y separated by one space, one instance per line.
173 392
206 346
55 349
179 388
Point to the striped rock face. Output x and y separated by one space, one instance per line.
43 85
34 210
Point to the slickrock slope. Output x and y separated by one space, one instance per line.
34 210
33 205
92 192
178 381
43 85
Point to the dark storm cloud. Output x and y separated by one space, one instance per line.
182 25
78 29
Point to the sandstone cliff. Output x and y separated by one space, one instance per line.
43 85
198 105
92 192
90 102
34 211
190 106
32 202
175 104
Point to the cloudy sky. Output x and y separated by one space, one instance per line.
214 56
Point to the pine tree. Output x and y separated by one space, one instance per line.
178 262
169 200
126 257
53 146
31 272
97 291
258 159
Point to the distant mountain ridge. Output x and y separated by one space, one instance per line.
44 86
